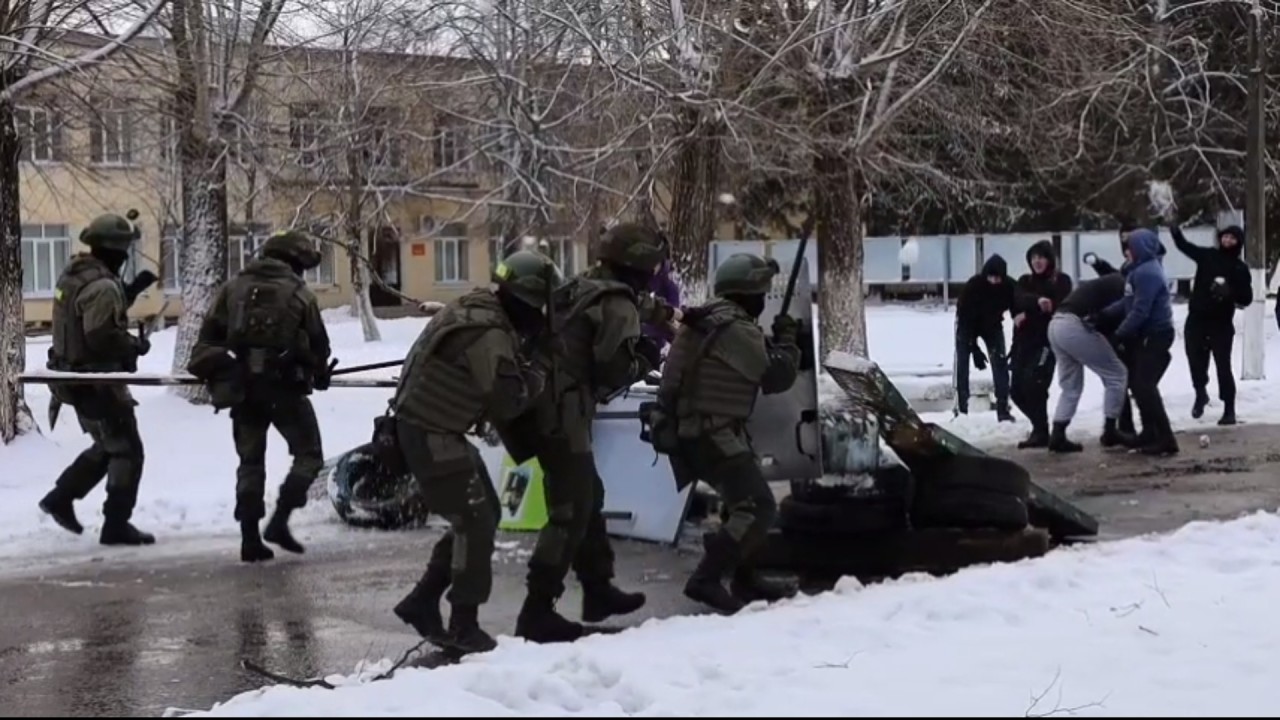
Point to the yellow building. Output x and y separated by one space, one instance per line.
77 164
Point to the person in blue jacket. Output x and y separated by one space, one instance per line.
1146 330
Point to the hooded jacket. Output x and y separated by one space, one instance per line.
1034 330
1146 306
1211 264
663 287
982 305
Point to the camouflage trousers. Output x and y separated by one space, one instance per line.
295 419
456 486
116 454
749 508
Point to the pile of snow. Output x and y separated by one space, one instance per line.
1177 625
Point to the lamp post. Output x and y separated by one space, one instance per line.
1255 202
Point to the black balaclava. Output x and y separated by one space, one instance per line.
637 280
525 318
113 259
753 304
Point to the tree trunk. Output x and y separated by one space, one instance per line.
15 417
693 204
203 254
361 303
839 195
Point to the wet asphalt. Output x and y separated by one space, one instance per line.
101 640
131 633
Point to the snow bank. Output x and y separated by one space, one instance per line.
1177 625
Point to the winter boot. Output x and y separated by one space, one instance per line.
750 586
61 508
122 532
599 603
1038 438
706 585
1202 401
420 609
1058 441
1228 413
540 623
251 548
1161 447
1003 414
465 634
277 532
1112 437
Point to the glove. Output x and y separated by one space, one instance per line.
979 358
649 350
143 344
488 433
786 330
139 285
324 377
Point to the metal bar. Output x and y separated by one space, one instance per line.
618 415
157 380
364 368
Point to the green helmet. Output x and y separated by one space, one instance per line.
110 232
292 246
524 275
632 246
745 274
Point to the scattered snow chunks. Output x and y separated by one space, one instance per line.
840 360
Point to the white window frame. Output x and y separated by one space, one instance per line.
50 242
109 116
558 247
451 252
306 129
451 149
170 248
320 275
49 142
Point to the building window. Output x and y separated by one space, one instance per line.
561 252
45 251
111 135
170 269
241 249
40 133
322 274
452 147
381 143
451 254
305 130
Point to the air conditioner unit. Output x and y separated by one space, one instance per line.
427 225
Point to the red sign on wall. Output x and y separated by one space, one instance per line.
419 249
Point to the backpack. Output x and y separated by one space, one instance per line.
264 326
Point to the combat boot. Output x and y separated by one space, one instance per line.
1003 414
601 602
1167 445
465 634
1059 443
750 586
706 585
1037 438
1112 437
61 507
1202 401
1228 413
540 623
277 532
122 532
252 549
420 609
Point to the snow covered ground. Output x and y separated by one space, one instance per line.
188 484
1176 625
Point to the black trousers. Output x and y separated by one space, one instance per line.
1150 361
1032 366
1205 338
993 338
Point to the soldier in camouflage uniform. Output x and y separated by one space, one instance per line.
597 350
465 370
262 349
91 334
718 364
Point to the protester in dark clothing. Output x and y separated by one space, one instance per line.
1222 284
1147 328
664 288
1035 298
980 316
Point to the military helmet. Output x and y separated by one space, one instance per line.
292 246
110 232
634 246
745 274
524 274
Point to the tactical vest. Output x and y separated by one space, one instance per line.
574 331
264 323
70 351
438 393
699 386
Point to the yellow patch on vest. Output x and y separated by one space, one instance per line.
502 271
57 295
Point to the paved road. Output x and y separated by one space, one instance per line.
122 638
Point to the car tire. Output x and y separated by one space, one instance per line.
968 508
864 515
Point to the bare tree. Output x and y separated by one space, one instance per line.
30 37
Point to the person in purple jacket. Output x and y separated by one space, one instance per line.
663 287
